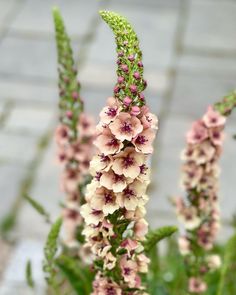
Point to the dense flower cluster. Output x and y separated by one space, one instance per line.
75 155
115 210
200 213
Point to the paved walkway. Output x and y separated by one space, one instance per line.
190 61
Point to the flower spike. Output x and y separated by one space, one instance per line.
200 177
130 82
74 135
115 210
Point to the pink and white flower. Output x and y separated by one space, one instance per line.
126 127
128 163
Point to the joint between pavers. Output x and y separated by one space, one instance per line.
10 16
10 219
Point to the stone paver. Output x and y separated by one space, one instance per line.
17 148
36 17
25 91
30 119
6 7
211 25
211 65
32 58
11 177
14 277
46 191
194 92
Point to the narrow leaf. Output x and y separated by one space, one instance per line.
50 251
38 207
28 274
155 236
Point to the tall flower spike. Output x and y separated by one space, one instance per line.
115 210
200 175
73 136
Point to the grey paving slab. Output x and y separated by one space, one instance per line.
17 148
25 91
193 92
1 109
14 276
155 28
46 191
211 25
6 7
11 177
212 65
36 17
30 119
32 58
150 3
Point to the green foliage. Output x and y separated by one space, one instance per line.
8 222
77 274
28 274
50 251
155 236
38 207
227 104
227 285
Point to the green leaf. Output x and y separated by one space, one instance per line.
28 274
155 236
38 207
50 251
78 275
227 285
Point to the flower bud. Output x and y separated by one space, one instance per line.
75 95
69 114
121 53
135 110
124 68
140 64
141 96
133 88
131 57
127 101
136 75
116 89
120 79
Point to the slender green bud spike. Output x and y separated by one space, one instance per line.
69 88
130 82
226 106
